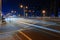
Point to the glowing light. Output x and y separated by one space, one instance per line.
29 10
26 6
12 11
21 6
43 11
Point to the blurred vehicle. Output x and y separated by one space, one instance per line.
3 20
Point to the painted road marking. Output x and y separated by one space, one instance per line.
25 35
18 37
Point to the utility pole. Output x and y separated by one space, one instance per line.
55 8
51 6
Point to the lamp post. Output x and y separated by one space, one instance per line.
21 6
44 12
24 7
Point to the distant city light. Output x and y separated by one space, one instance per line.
26 10
15 11
26 6
26 14
19 15
12 11
33 11
29 10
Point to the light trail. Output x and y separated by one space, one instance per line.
22 20
53 30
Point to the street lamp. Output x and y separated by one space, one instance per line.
21 6
24 8
44 12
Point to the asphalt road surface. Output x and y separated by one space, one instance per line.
29 29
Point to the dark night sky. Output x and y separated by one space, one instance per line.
8 5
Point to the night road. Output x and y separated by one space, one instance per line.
30 29
29 19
